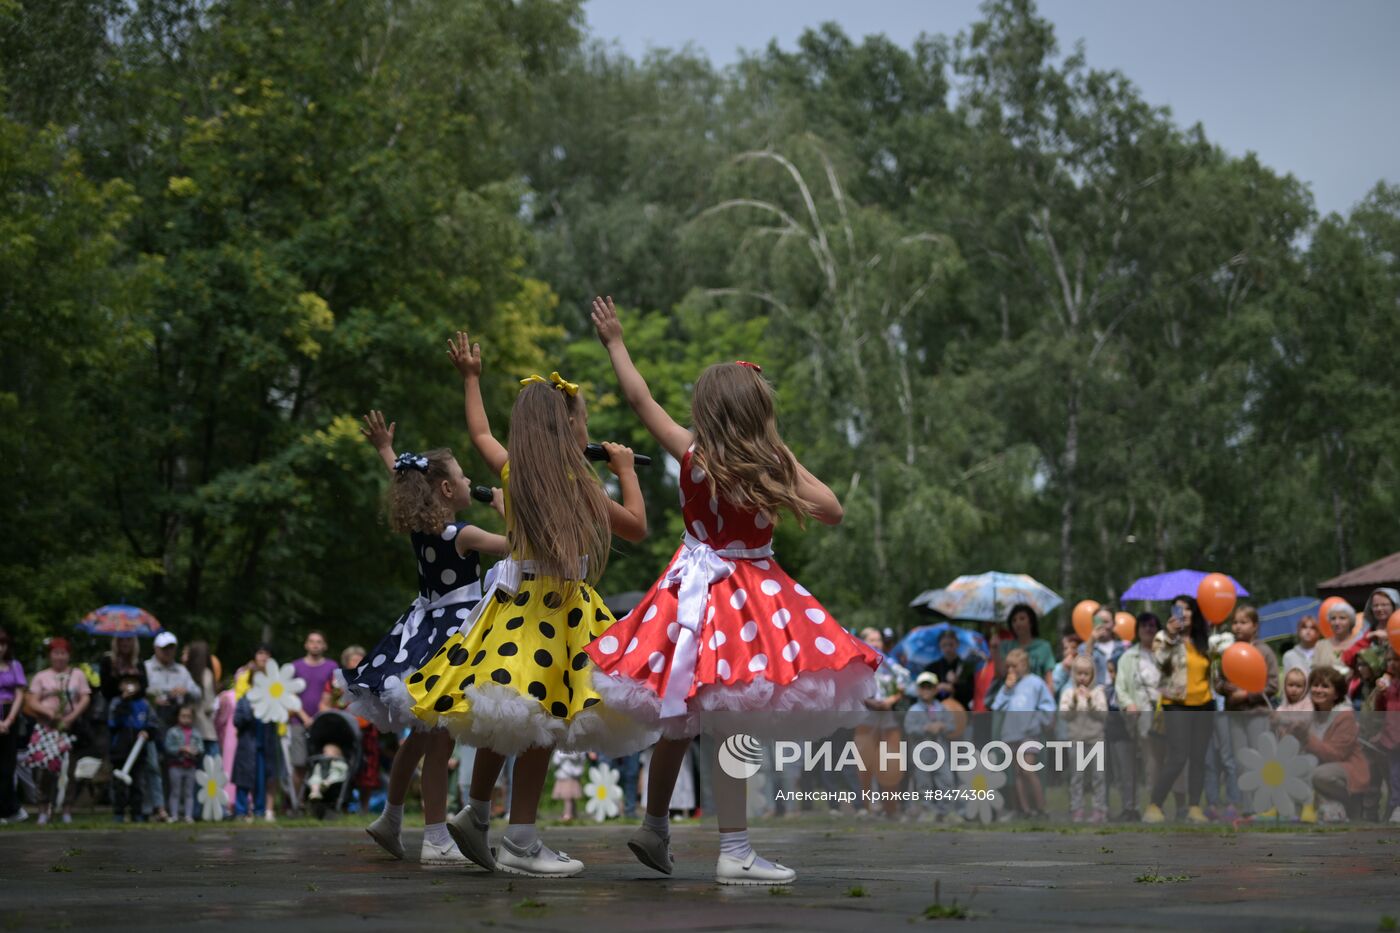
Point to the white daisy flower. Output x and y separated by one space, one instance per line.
1275 775
603 791
275 693
213 789
987 784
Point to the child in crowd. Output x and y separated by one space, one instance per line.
568 769
128 717
332 770
937 718
1084 707
1029 706
184 749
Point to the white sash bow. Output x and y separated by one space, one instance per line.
423 605
695 570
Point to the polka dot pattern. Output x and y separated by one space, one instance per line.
531 642
759 622
440 570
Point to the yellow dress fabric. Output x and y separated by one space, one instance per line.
523 647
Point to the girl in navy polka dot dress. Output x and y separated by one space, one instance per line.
725 634
518 682
425 493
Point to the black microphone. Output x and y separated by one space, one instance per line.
597 454
483 494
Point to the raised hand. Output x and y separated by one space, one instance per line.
375 431
466 356
605 321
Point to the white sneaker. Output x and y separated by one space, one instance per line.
43 819
470 837
536 861
730 870
652 849
448 856
1394 815
387 838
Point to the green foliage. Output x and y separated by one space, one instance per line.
1016 316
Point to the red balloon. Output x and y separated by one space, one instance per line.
1125 626
1084 619
1324 611
1244 667
1216 597
1392 628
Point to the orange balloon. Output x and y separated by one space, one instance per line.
1392 629
1244 667
1216 597
1125 626
1084 619
1324 611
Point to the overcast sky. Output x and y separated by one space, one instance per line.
1313 88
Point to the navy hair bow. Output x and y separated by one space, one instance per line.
411 461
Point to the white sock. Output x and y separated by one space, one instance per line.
522 834
736 845
482 809
436 833
393 815
661 825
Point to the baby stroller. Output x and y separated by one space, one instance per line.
334 757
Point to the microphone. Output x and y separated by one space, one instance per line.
597 454
482 494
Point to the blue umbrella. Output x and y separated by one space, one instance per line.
120 620
1281 618
1170 585
920 647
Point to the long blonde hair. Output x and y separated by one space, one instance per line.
558 512
737 442
415 500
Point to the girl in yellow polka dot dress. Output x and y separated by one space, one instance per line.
515 680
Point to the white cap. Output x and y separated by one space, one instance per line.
165 639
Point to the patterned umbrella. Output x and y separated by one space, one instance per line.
1170 585
120 620
919 648
988 597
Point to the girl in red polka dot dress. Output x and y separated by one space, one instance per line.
724 631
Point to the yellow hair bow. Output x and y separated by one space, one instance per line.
560 383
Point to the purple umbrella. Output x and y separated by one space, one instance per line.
1172 584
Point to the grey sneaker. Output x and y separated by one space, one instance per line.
470 836
730 870
652 849
387 838
536 861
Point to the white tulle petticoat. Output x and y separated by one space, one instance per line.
814 704
509 723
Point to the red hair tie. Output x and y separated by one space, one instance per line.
754 366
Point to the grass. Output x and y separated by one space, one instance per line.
856 891
1387 922
941 911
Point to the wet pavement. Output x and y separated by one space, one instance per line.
852 876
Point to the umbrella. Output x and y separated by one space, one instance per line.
622 603
1172 584
988 597
1281 618
119 620
919 648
